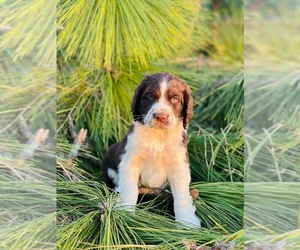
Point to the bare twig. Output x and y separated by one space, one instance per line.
70 175
34 143
24 129
78 143
145 190
72 129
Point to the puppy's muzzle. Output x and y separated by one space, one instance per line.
161 118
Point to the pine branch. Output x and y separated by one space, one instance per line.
217 246
144 190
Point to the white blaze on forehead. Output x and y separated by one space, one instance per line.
163 89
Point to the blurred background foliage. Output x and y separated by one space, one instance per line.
272 138
27 124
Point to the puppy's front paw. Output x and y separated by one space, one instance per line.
121 206
190 221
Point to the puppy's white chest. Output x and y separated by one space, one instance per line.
154 172
155 152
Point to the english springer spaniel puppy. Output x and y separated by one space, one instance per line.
155 150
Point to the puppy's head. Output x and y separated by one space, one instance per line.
162 100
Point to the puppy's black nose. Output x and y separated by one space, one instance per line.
160 117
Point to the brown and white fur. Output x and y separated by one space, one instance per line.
155 150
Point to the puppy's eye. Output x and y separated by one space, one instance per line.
174 99
150 97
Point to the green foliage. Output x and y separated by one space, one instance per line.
29 95
227 37
279 109
223 210
272 156
272 213
220 103
272 159
37 233
277 42
216 157
219 34
117 33
272 126
87 219
27 213
80 97
29 30
103 54
27 108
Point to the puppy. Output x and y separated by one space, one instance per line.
155 150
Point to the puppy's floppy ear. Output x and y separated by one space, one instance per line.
135 105
187 111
